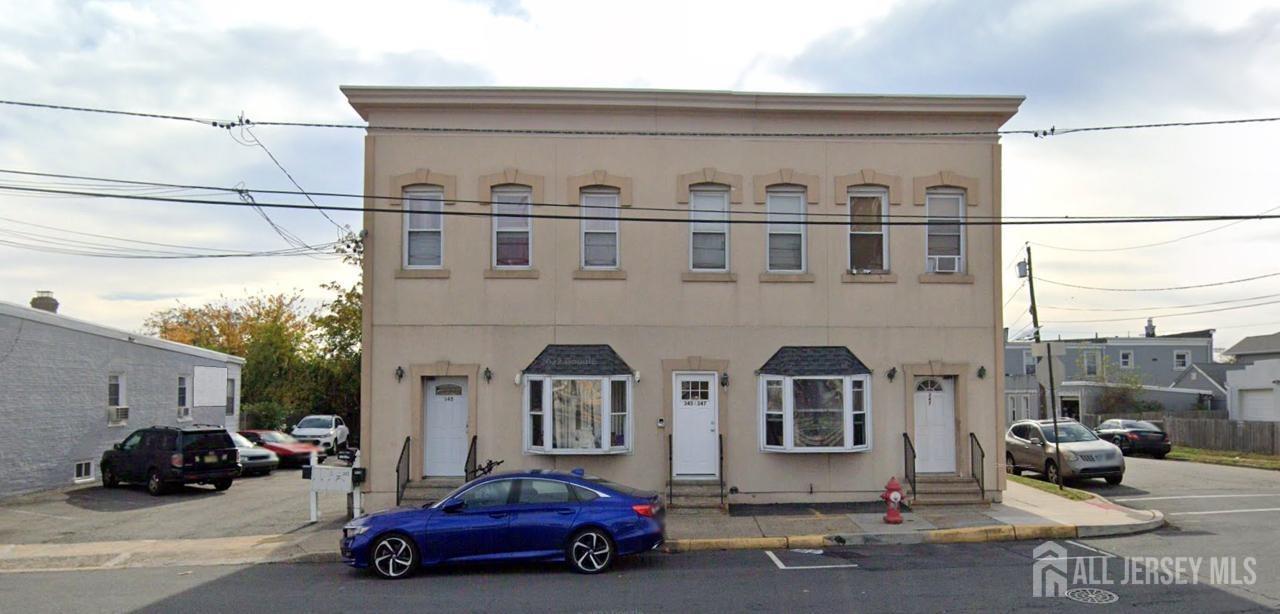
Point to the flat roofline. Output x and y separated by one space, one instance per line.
364 98
70 323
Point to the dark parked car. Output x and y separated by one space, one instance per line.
1136 436
526 516
161 456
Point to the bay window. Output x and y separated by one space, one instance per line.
815 413
569 414
512 227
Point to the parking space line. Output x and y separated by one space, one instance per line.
1169 498
1091 549
778 562
1260 509
40 514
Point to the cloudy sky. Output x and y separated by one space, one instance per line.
1078 63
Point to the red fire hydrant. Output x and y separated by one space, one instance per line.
892 495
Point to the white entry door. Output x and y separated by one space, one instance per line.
695 437
935 415
444 425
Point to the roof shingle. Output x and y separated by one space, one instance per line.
578 360
801 360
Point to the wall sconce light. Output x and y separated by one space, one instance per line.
399 373
724 380
488 375
982 372
892 373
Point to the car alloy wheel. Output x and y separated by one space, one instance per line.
154 485
394 557
590 552
1011 467
1051 472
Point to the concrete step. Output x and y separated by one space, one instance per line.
926 478
695 489
971 498
449 482
695 502
947 487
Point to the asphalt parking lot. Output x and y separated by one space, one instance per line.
262 505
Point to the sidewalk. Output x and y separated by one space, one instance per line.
1025 514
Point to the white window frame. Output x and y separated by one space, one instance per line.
723 193
184 404
496 195
883 195
428 193
606 409
233 394
1185 356
1126 359
87 476
962 264
788 414
1028 362
1084 363
122 398
600 211
804 228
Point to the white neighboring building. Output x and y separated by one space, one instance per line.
1251 392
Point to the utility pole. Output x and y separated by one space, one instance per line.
1051 402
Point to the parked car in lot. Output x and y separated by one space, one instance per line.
1031 445
292 453
585 521
327 431
254 460
1135 436
161 456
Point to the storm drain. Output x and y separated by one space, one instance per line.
1091 595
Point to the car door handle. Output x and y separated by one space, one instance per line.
498 515
565 512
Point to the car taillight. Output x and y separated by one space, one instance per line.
175 460
643 509
1132 436
1164 437
235 455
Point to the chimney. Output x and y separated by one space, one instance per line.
44 301
1151 328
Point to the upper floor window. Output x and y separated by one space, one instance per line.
1028 363
599 236
423 227
182 391
115 391
231 397
708 228
815 414
786 240
1126 359
868 233
1092 362
1181 359
945 241
512 227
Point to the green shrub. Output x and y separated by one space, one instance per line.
266 415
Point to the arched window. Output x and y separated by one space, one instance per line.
929 385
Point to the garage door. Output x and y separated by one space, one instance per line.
1257 404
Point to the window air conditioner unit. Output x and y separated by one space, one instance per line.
117 415
945 264
184 412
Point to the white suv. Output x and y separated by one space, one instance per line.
326 431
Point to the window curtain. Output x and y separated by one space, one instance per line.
819 413
577 414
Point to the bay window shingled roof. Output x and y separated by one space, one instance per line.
578 360
801 360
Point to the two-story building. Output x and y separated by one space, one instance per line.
1157 365
770 295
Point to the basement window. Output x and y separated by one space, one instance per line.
84 471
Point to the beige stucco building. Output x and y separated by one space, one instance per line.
769 344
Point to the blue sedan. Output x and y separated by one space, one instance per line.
525 516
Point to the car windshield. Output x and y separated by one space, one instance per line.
241 441
207 440
1068 432
1141 425
276 437
315 422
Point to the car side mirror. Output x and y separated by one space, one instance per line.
118 446
1035 441
453 505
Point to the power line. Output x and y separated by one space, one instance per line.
783 218
227 124
256 141
1015 293
1145 245
1191 287
1191 306
1168 315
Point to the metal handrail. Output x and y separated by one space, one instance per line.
909 462
469 468
721 438
402 471
977 458
671 470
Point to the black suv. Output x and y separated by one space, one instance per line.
165 455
